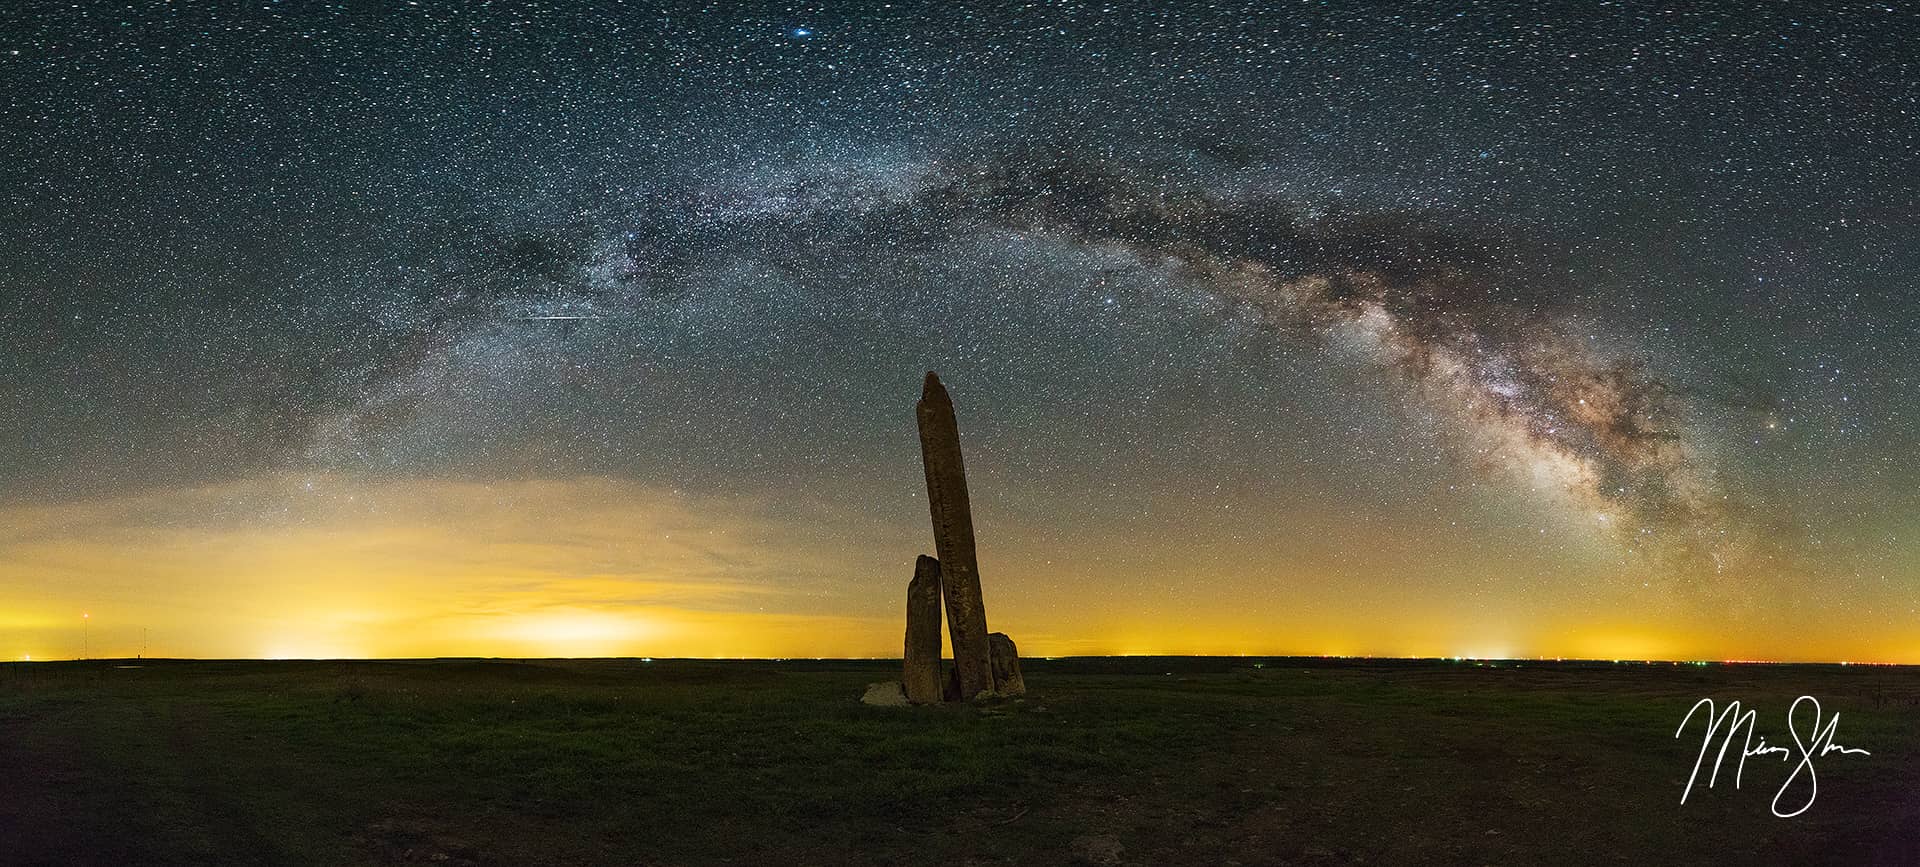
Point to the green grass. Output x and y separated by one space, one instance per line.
1178 761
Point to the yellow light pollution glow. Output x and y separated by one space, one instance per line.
337 567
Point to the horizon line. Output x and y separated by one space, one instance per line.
1249 656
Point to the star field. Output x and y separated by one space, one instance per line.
1439 328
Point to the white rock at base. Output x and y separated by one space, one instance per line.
886 693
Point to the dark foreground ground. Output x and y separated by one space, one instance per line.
1123 761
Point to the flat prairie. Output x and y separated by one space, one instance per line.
1138 760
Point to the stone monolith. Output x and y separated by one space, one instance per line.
1006 665
953 537
920 667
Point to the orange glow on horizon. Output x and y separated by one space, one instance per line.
595 567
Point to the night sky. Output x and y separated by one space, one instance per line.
529 329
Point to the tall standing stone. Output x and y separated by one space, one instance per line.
1006 665
953 537
920 667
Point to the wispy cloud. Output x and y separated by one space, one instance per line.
334 565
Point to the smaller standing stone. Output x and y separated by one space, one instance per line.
920 667
952 690
1006 665
886 693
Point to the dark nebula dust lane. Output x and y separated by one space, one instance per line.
1462 319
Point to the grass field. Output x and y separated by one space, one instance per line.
1128 761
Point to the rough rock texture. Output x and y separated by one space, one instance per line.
953 537
951 691
886 693
920 666
1006 665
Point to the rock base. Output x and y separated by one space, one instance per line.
886 693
